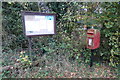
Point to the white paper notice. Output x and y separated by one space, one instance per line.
35 24
90 42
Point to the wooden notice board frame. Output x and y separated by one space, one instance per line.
43 23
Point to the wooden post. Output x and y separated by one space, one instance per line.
30 47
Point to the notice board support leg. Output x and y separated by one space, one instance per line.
30 47
91 58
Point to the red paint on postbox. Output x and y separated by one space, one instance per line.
93 38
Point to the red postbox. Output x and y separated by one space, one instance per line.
93 38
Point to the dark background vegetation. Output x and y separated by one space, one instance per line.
68 46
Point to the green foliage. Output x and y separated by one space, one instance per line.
41 74
12 23
70 41
24 59
67 28
5 74
110 31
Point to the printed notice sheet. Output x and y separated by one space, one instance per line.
37 25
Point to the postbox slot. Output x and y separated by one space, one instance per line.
90 33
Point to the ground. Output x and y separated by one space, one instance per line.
50 68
